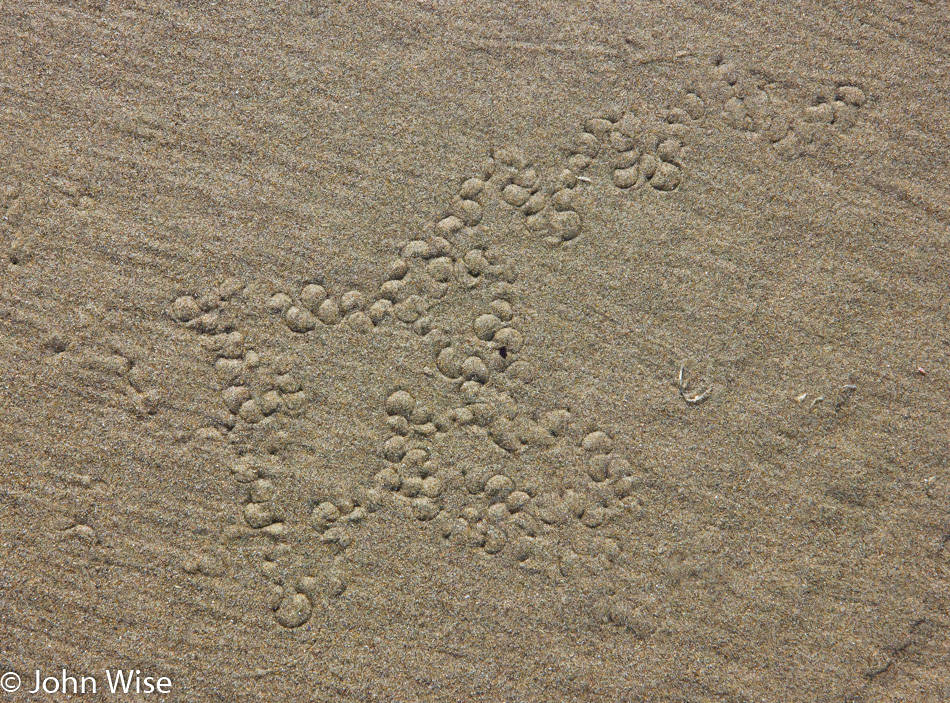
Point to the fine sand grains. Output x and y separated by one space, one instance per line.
476 351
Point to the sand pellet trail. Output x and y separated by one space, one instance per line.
475 351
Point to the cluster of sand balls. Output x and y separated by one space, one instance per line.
635 156
259 511
293 605
493 345
490 525
442 267
333 519
490 351
402 298
524 522
412 474
548 212
260 514
465 205
313 305
423 274
236 365
752 108
491 408
405 296
291 608
439 263
407 417
204 315
610 474
330 518
603 465
495 411
508 518
842 111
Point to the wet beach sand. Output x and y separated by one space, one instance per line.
476 351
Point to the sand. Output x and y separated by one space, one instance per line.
476 351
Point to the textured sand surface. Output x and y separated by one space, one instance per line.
456 351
